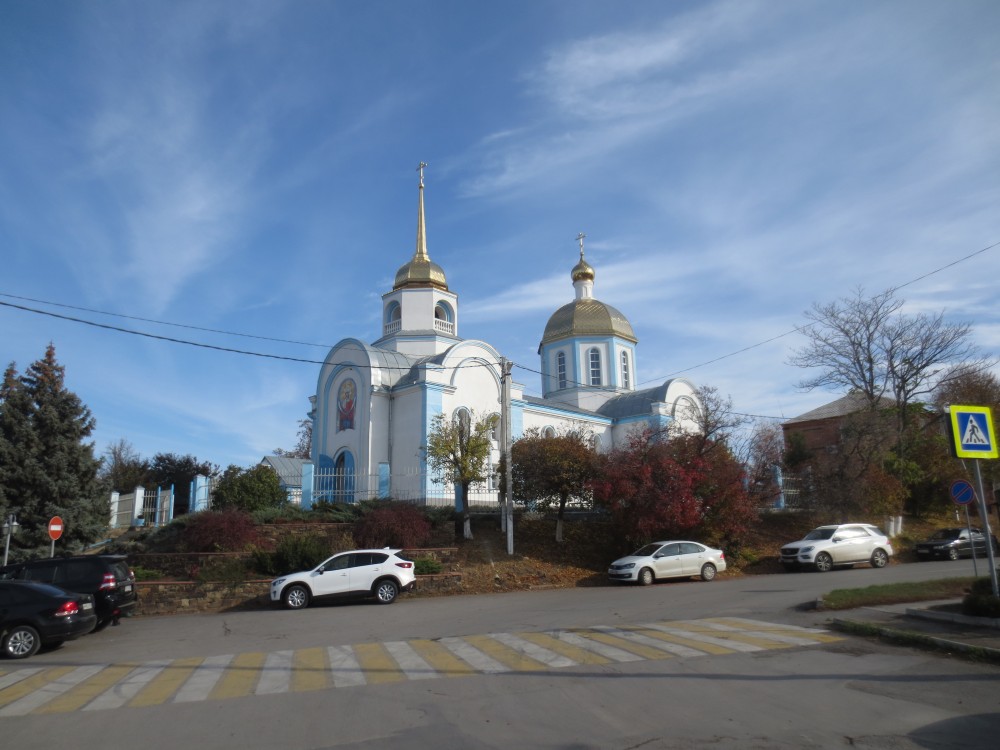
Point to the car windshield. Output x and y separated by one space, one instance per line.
945 534
647 551
819 534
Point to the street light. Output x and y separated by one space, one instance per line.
9 527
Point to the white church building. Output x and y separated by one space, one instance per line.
375 404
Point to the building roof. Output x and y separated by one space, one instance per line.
289 470
853 402
587 317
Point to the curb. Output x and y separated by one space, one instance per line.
910 638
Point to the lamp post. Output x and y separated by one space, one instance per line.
9 527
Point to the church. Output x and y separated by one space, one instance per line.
375 403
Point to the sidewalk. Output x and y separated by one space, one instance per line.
937 625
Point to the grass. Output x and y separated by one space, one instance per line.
897 593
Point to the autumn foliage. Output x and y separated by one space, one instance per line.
683 488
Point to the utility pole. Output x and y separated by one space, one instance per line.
505 430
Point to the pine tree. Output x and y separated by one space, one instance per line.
46 466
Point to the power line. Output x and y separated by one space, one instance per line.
160 322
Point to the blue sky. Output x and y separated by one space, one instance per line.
250 167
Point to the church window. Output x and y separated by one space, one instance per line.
625 374
561 369
464 421
549 432
595 367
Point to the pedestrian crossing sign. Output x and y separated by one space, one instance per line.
972 432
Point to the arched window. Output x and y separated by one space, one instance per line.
561 369
595 366
464 421
549 432
625 373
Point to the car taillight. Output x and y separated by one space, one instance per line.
404 565
108 583
67 609
722 555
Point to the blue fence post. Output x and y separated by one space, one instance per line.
308 470
170 516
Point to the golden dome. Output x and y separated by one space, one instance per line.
583 270
587 317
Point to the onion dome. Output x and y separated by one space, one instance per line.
421 271
587 317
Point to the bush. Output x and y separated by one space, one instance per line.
392 524
300 552
147 574
219 531
425 566
256 488
230 570
323 510
980 602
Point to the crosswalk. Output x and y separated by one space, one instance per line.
98 687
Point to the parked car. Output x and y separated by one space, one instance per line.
844 544
673 559
33 615
107 578
953 543
381 573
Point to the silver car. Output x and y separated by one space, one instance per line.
673 559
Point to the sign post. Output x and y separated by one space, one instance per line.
973 437
963 494
55 531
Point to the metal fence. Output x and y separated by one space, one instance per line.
142 507
337 486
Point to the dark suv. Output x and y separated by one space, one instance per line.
107 577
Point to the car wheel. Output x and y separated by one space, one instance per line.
645 577
952 553
824 563
879 559
296 597
386 591
20 642
707 572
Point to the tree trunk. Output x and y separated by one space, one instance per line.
559 519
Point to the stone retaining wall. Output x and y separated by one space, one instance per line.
187 597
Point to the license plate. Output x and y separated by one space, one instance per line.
88 605
127 587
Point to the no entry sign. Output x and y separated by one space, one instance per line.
55 527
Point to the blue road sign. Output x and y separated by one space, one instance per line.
972 431
962 492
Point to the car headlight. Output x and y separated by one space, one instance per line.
277 581
626 566
807 549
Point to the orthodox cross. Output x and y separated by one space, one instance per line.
420 168
579 238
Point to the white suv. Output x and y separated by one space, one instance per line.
844 544
381 573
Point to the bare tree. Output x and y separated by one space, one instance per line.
122 467
867 345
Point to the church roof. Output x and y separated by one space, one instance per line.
288 469
634 403
587 317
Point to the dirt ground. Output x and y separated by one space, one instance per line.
588 548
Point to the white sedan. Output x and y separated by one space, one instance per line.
668 560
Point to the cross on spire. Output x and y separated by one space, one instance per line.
420 168
579 238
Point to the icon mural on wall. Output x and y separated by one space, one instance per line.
345 405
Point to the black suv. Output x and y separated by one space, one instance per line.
107 577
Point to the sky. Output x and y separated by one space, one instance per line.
250 168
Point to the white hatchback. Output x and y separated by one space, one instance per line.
668 560
380 573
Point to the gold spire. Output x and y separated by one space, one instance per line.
421 271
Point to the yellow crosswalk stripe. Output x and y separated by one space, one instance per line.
86 691
379 667
577 654
749 638
782 630
504 654
240 678
162 687
31 684
646 652
310 670
709 648
441 659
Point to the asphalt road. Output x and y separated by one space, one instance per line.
757 671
